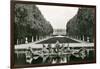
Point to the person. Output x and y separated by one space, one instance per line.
57 45
62 47
29 55
68 48
49 48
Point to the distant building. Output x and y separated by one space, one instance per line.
59 32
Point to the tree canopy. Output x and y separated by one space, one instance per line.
29 22
82 24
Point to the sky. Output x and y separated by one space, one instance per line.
58 16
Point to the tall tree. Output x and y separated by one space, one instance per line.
29 22
82 24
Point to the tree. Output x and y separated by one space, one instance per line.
29 22
82 24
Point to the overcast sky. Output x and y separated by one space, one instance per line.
58 16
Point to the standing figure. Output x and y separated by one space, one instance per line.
57 47
49 48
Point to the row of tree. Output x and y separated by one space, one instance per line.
82 25
29 23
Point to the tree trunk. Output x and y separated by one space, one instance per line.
34 37
17 41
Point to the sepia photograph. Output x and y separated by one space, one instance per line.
48 34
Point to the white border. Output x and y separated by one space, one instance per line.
5 34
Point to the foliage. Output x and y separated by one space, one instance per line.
82 24
29 22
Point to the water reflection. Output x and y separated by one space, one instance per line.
51 59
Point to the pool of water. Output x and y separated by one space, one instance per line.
20 59
60 39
